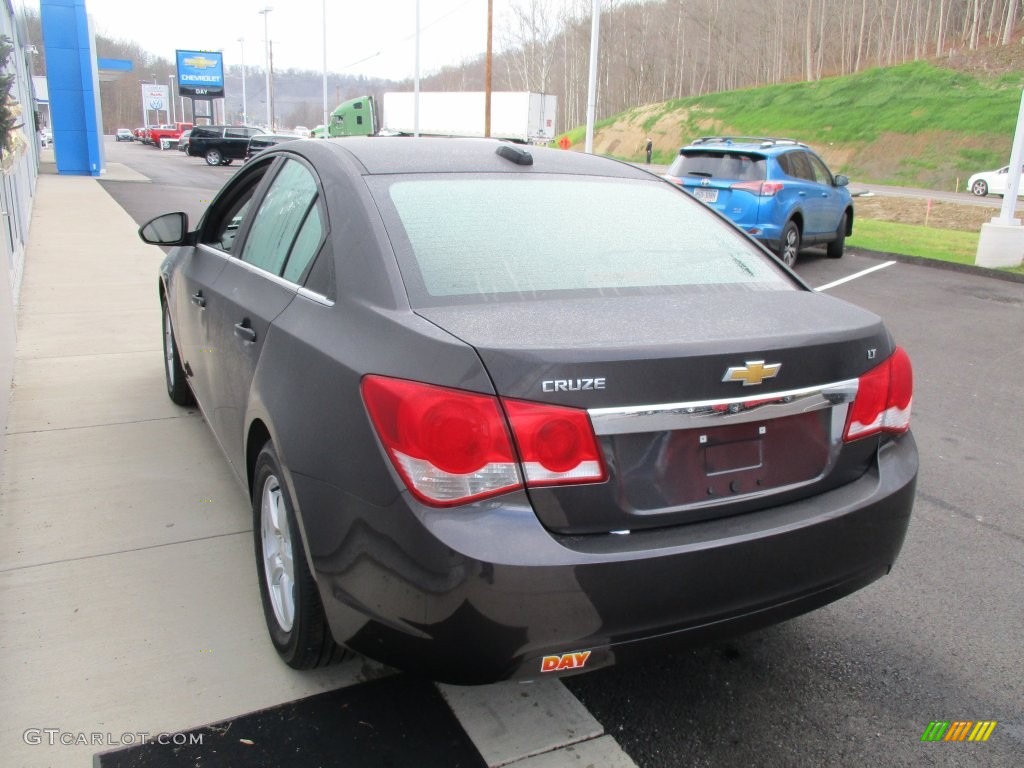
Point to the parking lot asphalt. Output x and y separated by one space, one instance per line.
128 598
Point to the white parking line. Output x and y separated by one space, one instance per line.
532 725
854 276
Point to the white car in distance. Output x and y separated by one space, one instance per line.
992 182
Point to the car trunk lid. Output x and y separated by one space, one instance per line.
706 403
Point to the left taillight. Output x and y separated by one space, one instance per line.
452 447
884 397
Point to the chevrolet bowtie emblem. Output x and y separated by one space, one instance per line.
754 372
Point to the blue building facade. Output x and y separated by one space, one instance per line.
73 82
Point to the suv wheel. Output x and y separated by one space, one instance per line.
214 157
980 188
835 248
789 245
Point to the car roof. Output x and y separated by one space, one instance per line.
401 154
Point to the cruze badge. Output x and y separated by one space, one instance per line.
572 385
754 372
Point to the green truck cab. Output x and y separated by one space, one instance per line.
355 117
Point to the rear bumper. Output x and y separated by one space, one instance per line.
483 593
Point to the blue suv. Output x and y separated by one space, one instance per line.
777 190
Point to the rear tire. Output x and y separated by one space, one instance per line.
291 603
789 244
214 157
834 250
980 188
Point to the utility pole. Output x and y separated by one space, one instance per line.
487 71
595 35
270 96
245 110
266 39
324 9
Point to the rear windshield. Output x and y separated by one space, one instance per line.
719 165
473 238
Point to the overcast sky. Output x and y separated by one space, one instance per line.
368 37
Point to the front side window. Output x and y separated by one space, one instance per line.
225 218
821 172
477 238
286 231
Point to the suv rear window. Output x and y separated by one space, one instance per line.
719 165
479 237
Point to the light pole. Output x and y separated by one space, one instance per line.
170 98
245 111
325 63
266 40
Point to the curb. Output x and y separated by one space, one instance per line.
949 266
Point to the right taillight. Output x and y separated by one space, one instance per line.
557 444
884 396
759 188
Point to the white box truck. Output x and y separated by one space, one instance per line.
515 115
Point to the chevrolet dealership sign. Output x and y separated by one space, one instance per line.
201 74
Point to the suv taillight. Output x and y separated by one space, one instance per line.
759 188
884 396
452 447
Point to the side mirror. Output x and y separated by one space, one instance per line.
168 229
842 179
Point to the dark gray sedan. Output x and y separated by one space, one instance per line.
506 412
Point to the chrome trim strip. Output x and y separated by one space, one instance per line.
304 292
315 297
711 413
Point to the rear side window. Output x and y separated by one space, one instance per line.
719 165
286 231
796 165
477 237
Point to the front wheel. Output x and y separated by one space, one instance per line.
174 373
789 245
214 157
980 188
291 603
834 250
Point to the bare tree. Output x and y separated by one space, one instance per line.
1011 18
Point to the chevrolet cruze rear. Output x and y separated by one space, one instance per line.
516 410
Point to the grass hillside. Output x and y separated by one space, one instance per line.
914 124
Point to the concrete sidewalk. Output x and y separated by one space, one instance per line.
128 594
128 597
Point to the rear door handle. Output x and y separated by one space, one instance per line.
198 300
244 332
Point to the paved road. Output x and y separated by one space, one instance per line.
857 682
939 639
